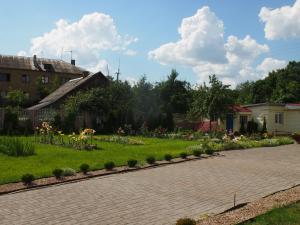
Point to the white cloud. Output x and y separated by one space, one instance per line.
201 40
101 65
130 52
270 64
245 50
21 53
281 23
131 80
87 38
203 48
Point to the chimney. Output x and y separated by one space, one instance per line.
35 63
73 62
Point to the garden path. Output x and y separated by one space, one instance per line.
160 195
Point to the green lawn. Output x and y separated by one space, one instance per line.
49 157
289 215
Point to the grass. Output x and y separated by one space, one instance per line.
289 215
49 157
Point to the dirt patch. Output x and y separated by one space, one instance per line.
255 208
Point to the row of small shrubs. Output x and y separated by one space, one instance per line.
27 179
13 146
58 173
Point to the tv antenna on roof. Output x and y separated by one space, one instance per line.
118 72
107 69
71 52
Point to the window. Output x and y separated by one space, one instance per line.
279 118
4 77
48 67
45 79
243 119
25 78
3 94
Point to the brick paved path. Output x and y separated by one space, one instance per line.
160 195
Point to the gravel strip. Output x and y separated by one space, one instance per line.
255 208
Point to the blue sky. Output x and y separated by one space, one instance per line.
145 26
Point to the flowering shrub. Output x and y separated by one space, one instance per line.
240 142
120 131
160 132
121 140
47 135
84 141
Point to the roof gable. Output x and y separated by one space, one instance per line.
68 88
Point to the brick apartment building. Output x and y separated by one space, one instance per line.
24 73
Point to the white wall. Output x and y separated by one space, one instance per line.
291 118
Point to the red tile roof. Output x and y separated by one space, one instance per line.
238 108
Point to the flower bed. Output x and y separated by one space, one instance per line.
120 140
240 142
47 135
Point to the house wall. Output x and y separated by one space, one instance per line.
16 83
292 121
236 120
291 118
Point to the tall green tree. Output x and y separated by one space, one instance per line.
212 102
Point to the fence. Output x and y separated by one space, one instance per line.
1 118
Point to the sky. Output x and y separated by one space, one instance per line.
236 40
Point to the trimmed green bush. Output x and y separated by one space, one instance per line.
84 168
183 155
285 140
150 160
209 151
132 163
197 153
186 221
27 179
57 173
232 146
168 157
109 165
68 172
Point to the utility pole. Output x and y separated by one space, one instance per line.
118 72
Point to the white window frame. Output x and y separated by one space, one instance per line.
45 79
279 118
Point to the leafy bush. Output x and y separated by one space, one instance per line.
27 179
197 153
68 172
57 173
285 140
132 163
186 221
168 157
16 147
269 142
183 155
209 151
109 165
232 145
150 159
84 168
